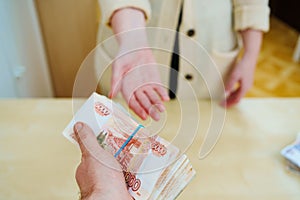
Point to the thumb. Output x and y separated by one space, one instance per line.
231 82
90 148
86 138
116 80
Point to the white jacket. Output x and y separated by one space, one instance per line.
215 24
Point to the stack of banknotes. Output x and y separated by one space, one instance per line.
153 167
292 154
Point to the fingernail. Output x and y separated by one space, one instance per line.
161 107
227 93
144 116
166 98
157 117
78 126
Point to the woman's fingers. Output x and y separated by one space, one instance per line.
136 107
162 92
147 104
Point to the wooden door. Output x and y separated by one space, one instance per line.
69 29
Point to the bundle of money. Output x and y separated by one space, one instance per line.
153 167
292 154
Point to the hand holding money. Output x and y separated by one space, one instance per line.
153 168
95 179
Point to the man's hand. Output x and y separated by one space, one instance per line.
99 175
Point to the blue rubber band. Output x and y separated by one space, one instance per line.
128 139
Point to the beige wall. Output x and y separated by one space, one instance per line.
69 29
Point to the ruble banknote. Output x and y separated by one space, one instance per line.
153 167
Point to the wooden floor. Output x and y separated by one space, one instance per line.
277 75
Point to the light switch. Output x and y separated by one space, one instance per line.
19 71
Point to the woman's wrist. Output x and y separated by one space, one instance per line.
128 24
133 39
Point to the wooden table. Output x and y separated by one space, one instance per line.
37 162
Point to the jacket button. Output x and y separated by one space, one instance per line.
188 77
190 32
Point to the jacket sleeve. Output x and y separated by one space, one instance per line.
252 14
108 7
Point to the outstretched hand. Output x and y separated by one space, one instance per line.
134 72
136 76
